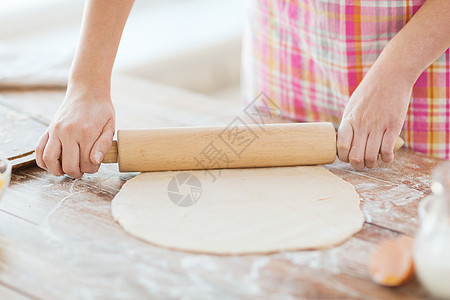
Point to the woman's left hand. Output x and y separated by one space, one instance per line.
373 118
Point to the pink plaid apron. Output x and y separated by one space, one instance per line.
308 56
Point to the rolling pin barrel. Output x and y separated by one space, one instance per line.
254 145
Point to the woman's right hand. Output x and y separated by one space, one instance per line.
79 135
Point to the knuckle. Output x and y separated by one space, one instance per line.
357 167
392 123
344 134
371 164
66 128
74 174
57 126
39 149
388 158
357 160
48 158
360 120
57 174
89 169
371 159
86 131
357 164
70 170
54 171
342 147
343 158
386 153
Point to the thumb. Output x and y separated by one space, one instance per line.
344 140
103 143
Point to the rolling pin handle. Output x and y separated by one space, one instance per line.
111 155
398 143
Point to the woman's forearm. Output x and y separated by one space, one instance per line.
421 41
102 26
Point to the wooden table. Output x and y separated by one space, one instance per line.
59 241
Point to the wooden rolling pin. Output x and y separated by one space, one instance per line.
215 147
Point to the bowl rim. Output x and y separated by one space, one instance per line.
8 166
5 176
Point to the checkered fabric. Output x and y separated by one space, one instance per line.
308 56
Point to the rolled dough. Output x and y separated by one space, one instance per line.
245 211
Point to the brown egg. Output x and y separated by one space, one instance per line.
392 262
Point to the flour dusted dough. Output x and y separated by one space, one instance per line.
244 211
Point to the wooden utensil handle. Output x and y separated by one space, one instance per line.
250 145
398 144
111 155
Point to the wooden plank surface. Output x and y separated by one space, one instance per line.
18 134
58 239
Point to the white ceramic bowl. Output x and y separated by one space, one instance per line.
5 171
